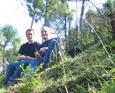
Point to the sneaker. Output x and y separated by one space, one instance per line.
1 69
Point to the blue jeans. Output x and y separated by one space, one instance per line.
13 70
51 46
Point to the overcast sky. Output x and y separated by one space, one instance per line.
13 13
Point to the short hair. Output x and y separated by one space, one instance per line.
29 30
46 28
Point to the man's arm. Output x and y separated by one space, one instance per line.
43 49
37 54
22 54
23 57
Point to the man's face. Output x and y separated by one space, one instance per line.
44 34
29 35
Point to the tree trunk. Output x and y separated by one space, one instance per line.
82 12
113 27
4 57
80 35
32 22
46 11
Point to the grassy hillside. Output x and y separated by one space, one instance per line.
89 72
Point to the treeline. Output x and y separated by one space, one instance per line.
91 28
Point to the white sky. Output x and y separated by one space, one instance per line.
13 13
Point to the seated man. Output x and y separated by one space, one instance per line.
43 55
47 46
26 51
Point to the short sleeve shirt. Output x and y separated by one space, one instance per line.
29 49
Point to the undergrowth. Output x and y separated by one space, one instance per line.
89 72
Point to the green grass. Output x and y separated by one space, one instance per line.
89 72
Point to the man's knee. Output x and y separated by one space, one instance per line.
11 64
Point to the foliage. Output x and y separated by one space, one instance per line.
88 72
49 10
91 71
9 39
109 88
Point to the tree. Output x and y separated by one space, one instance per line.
55 13
9 38
48 10
109 8
36 10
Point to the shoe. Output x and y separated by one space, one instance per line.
1 69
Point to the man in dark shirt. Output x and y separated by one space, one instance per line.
26 52
28 49
43 54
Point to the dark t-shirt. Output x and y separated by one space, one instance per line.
29 49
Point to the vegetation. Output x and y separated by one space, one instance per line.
91 71
9 43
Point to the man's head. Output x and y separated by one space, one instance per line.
44 33
29 35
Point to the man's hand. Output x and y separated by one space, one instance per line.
23 57
29 58
37 54
44 49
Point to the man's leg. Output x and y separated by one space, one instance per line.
10 70
18 70
33 64
52 44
